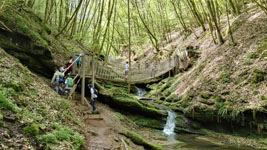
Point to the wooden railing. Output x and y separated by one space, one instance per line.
116 72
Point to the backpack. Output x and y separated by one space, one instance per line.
70 82
60 79
95 91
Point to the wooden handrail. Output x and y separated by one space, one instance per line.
117 74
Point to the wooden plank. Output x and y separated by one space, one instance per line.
73 89
83 78
93 66
93 116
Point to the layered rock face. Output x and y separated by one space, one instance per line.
23 35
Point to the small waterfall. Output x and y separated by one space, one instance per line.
170 126
140 92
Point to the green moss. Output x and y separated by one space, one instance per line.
180 121
6 104
1 117
147 122
33 129
137 139
118 97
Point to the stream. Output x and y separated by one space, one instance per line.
188 141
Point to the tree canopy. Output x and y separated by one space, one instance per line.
103 24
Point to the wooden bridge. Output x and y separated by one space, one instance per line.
90 67
115 72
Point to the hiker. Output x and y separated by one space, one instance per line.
68 66
126 69
78 61
62 68
153 66
93 98
57 79
68 84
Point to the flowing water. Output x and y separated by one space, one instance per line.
170 126
140 92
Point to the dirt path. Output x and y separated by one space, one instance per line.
103 133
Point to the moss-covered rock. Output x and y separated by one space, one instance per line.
147 122
117 97
137 139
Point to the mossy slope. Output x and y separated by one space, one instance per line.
33 115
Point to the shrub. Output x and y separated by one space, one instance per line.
78 140
33 129
62 133
48 138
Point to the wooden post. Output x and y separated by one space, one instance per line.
129 38
83 78
93 70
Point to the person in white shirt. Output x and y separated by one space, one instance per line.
93 97
126 69
57 79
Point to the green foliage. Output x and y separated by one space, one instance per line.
48 139
223 112
7 104
60 134
1 116
33 129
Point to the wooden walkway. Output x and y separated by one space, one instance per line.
114 73
89 67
